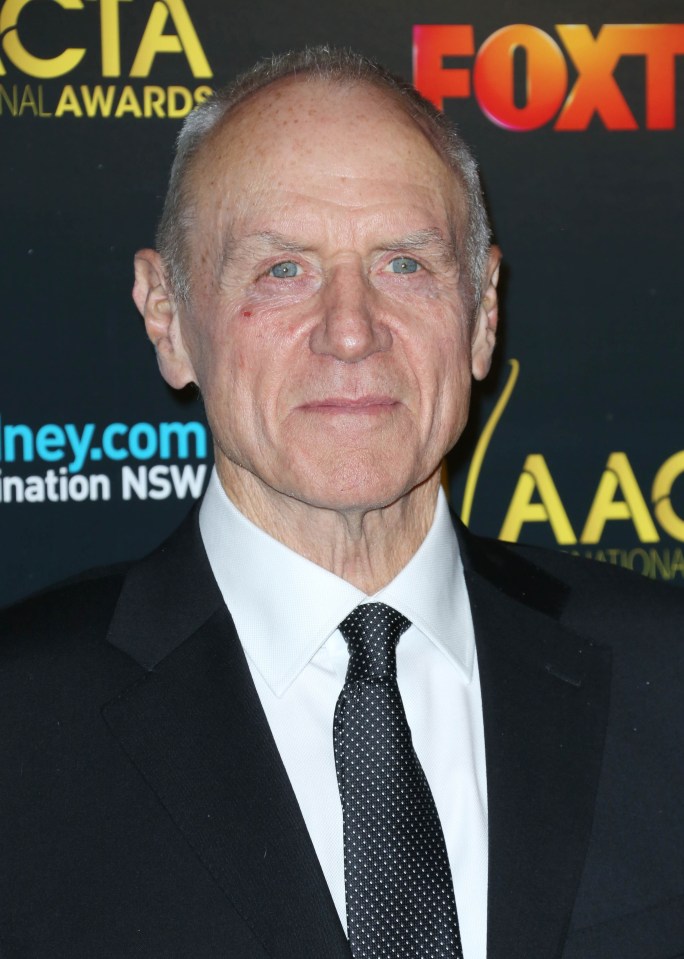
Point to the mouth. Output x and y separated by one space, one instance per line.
371 405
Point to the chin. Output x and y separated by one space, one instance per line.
346 493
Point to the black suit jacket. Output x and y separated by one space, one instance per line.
146 811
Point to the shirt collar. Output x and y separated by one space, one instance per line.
285 607
431 591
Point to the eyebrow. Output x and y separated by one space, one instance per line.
278 241
263 240
419 240
415 240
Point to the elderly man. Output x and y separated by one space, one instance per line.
323 720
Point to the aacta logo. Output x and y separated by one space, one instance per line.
168 30
618 498
549 96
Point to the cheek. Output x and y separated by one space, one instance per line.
265 356
411 289
251 362
456 347
229 341
442 372
269 293
442 355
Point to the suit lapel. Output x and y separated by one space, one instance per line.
545 705
195 729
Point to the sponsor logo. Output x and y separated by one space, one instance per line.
647 509
524 78
26 60
121 447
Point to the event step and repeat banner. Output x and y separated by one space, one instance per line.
576 114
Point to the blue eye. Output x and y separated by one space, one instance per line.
404 264
284 270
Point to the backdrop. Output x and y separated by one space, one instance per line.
575 113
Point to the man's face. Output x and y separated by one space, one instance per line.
326 326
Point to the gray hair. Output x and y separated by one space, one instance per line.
318 63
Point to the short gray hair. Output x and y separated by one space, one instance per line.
318 63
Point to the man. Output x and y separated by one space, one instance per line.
208 755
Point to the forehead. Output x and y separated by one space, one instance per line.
314 141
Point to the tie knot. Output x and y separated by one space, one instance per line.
372 632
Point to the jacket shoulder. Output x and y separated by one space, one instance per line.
640 618
595 583
593 598
576 572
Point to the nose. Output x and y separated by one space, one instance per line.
350 327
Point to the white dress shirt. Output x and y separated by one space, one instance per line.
287 609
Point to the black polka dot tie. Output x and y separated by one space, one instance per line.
400 896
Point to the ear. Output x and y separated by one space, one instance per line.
151 292
487 319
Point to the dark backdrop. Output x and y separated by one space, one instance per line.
587 453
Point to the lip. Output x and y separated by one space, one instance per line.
347 404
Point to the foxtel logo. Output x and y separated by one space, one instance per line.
549 95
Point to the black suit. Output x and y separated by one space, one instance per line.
146 812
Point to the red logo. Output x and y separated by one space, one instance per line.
549 94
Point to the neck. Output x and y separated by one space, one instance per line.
366 546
